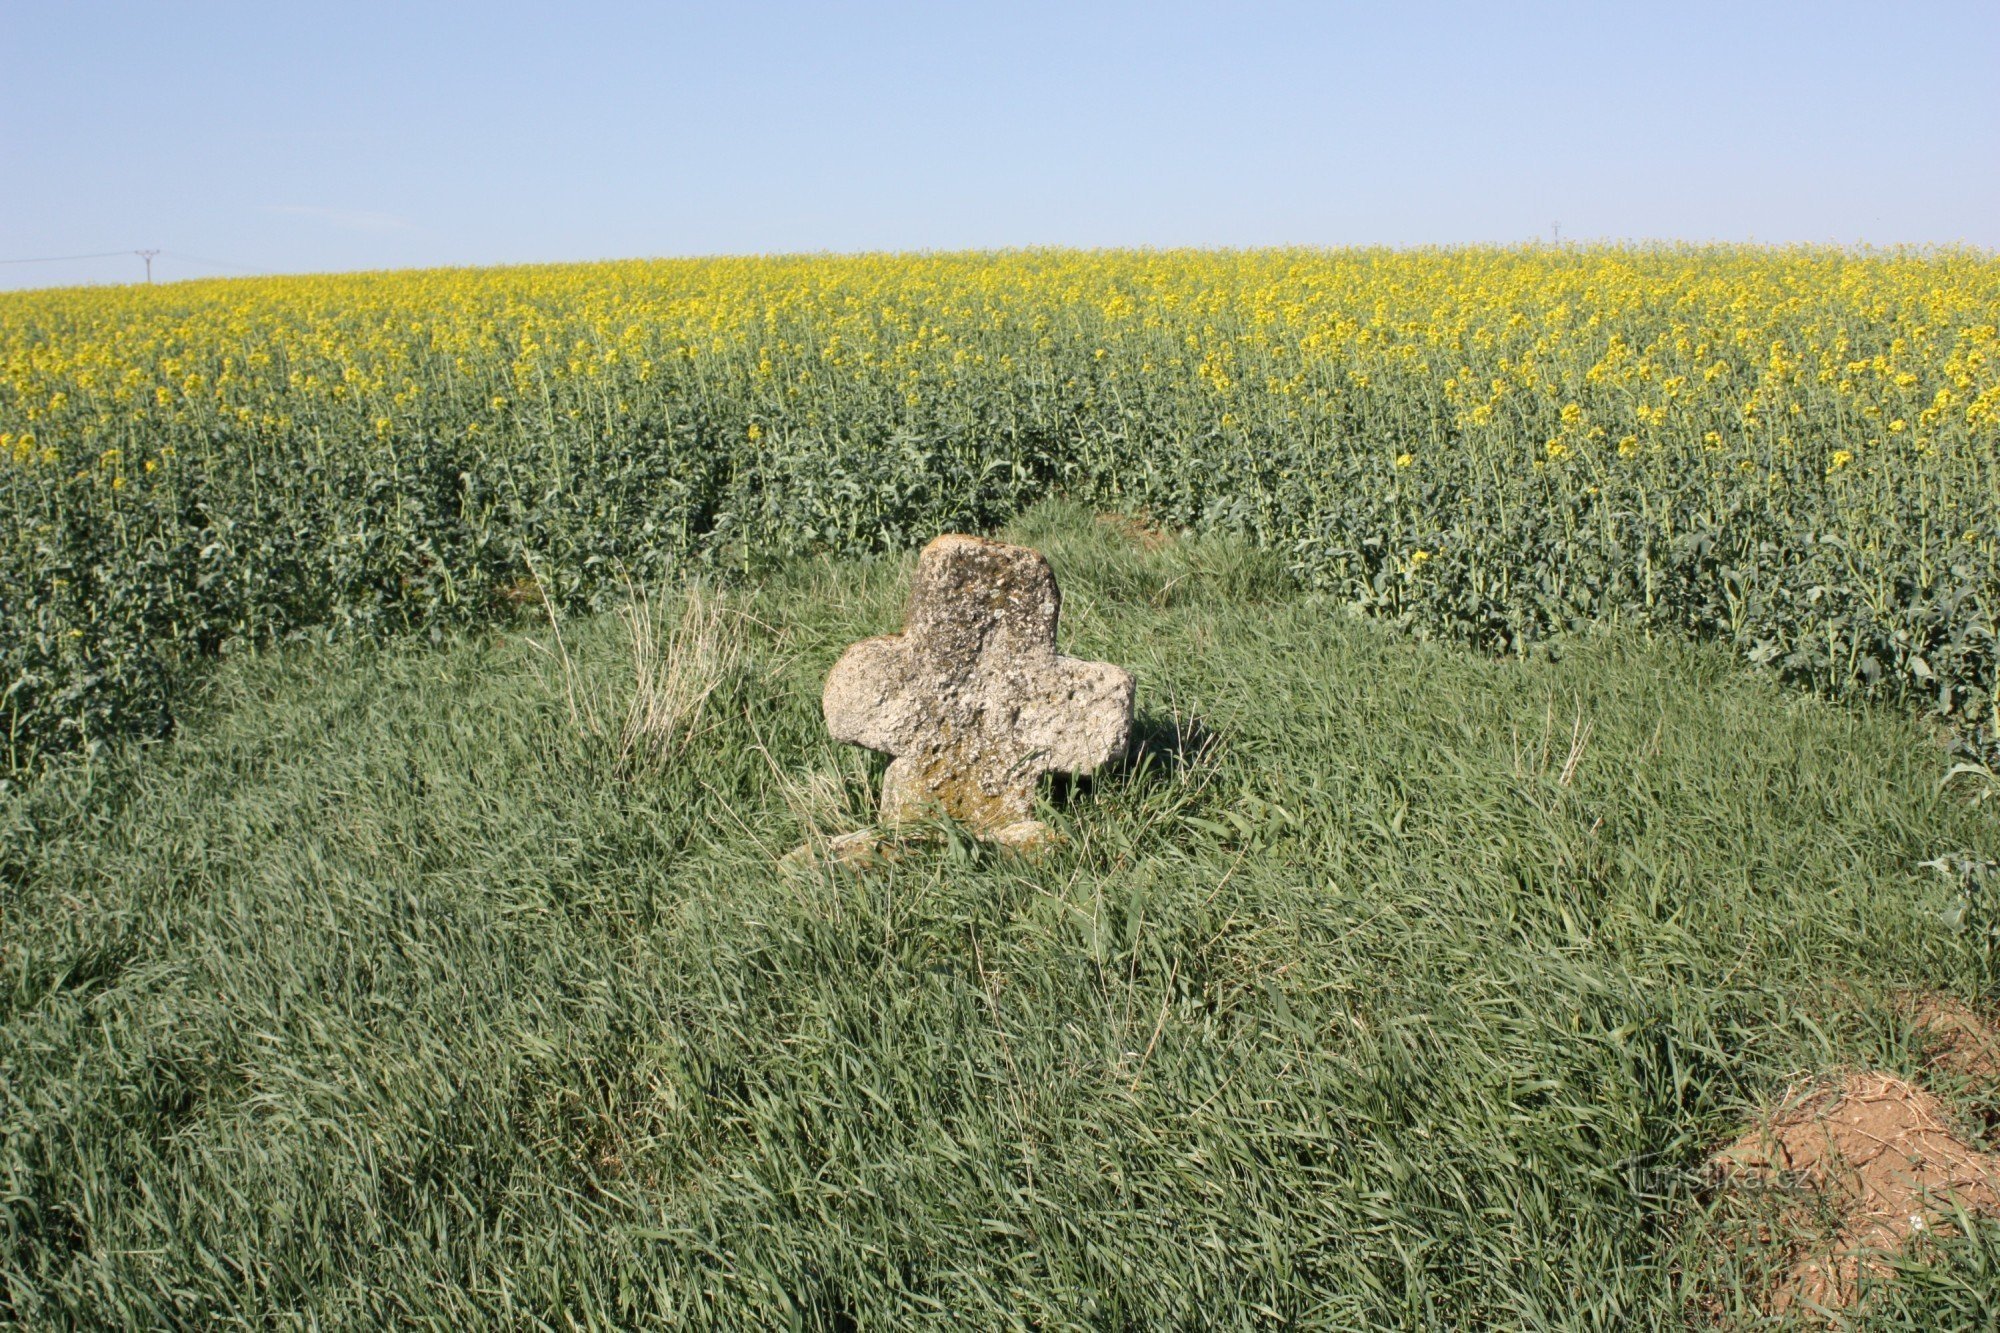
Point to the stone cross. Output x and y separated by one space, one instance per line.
972 698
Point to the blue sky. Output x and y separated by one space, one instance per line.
291 135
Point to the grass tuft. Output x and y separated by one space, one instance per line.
675 674
670 674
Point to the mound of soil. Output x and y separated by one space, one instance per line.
1858 1169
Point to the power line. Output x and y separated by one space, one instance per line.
145 255
57 259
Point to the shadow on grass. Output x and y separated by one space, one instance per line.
1166 746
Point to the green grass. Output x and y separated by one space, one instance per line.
384 995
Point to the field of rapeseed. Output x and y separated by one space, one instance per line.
1796 451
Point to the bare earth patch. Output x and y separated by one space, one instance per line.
1857 1170
1138 529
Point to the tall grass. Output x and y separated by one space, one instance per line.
1388 985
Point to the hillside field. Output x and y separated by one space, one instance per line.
1565 731
1789 451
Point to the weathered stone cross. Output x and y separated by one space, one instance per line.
972 698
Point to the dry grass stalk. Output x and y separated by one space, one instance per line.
675 674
